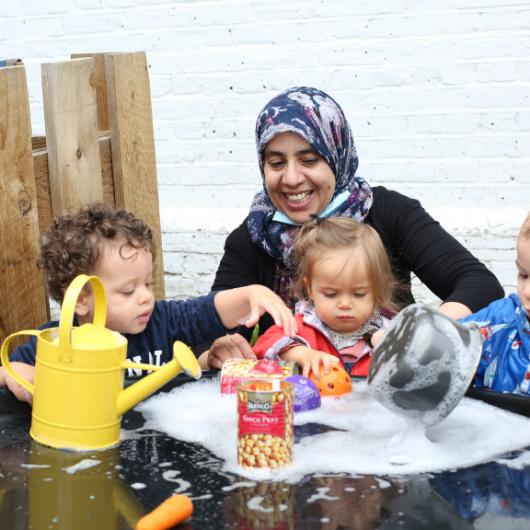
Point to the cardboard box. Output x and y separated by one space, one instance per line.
235 371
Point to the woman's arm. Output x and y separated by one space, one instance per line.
242 263
454 310
417 242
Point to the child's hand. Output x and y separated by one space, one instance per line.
309 360
27 371
317 358
376 337
244 305
262 300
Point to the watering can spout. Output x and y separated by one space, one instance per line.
183 361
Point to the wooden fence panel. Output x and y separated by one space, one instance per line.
70 114
23 302
42 178
99 145
133 146
100 82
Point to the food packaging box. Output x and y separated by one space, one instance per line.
235 371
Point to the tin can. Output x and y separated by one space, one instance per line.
265 423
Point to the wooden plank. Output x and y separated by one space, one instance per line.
42 181
38 142
70 116
24 303
42 184
107 179
133 146
100 81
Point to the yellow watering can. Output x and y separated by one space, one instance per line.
78 395
97 497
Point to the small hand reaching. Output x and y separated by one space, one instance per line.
262 300
309 360
244 306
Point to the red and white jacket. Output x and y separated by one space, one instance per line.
314 334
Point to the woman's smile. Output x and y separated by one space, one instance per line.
297 197
298 201
298 180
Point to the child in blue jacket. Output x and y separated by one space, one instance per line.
505 362
117 247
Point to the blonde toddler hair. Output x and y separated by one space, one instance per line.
319 236
524 233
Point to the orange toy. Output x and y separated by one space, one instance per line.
336 383
170 513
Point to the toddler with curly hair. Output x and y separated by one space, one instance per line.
117 247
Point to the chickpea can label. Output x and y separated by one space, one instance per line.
265 423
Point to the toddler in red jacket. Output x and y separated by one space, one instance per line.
345 287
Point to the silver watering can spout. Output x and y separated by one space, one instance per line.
424 364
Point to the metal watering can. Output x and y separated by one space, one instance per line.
424 364
78 394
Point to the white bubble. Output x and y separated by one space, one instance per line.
371 439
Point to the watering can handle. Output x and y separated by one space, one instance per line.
68 311
4 356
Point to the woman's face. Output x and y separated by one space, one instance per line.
299 181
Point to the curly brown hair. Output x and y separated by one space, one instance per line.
73 243
316 237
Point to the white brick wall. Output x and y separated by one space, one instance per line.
438 95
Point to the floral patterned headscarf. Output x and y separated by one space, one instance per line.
318 119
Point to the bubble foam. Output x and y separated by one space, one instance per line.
371 439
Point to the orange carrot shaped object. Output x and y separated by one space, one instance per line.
171 512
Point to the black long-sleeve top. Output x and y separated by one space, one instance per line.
415 243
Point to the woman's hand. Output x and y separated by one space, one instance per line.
228 347
309 360
27 371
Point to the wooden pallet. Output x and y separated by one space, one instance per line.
99 146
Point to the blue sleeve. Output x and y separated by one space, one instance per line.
193 321
489 315
504 364
25 353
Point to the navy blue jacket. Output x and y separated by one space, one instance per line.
191 321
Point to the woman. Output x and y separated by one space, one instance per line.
308 162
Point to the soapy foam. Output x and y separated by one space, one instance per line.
171 476
369 438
